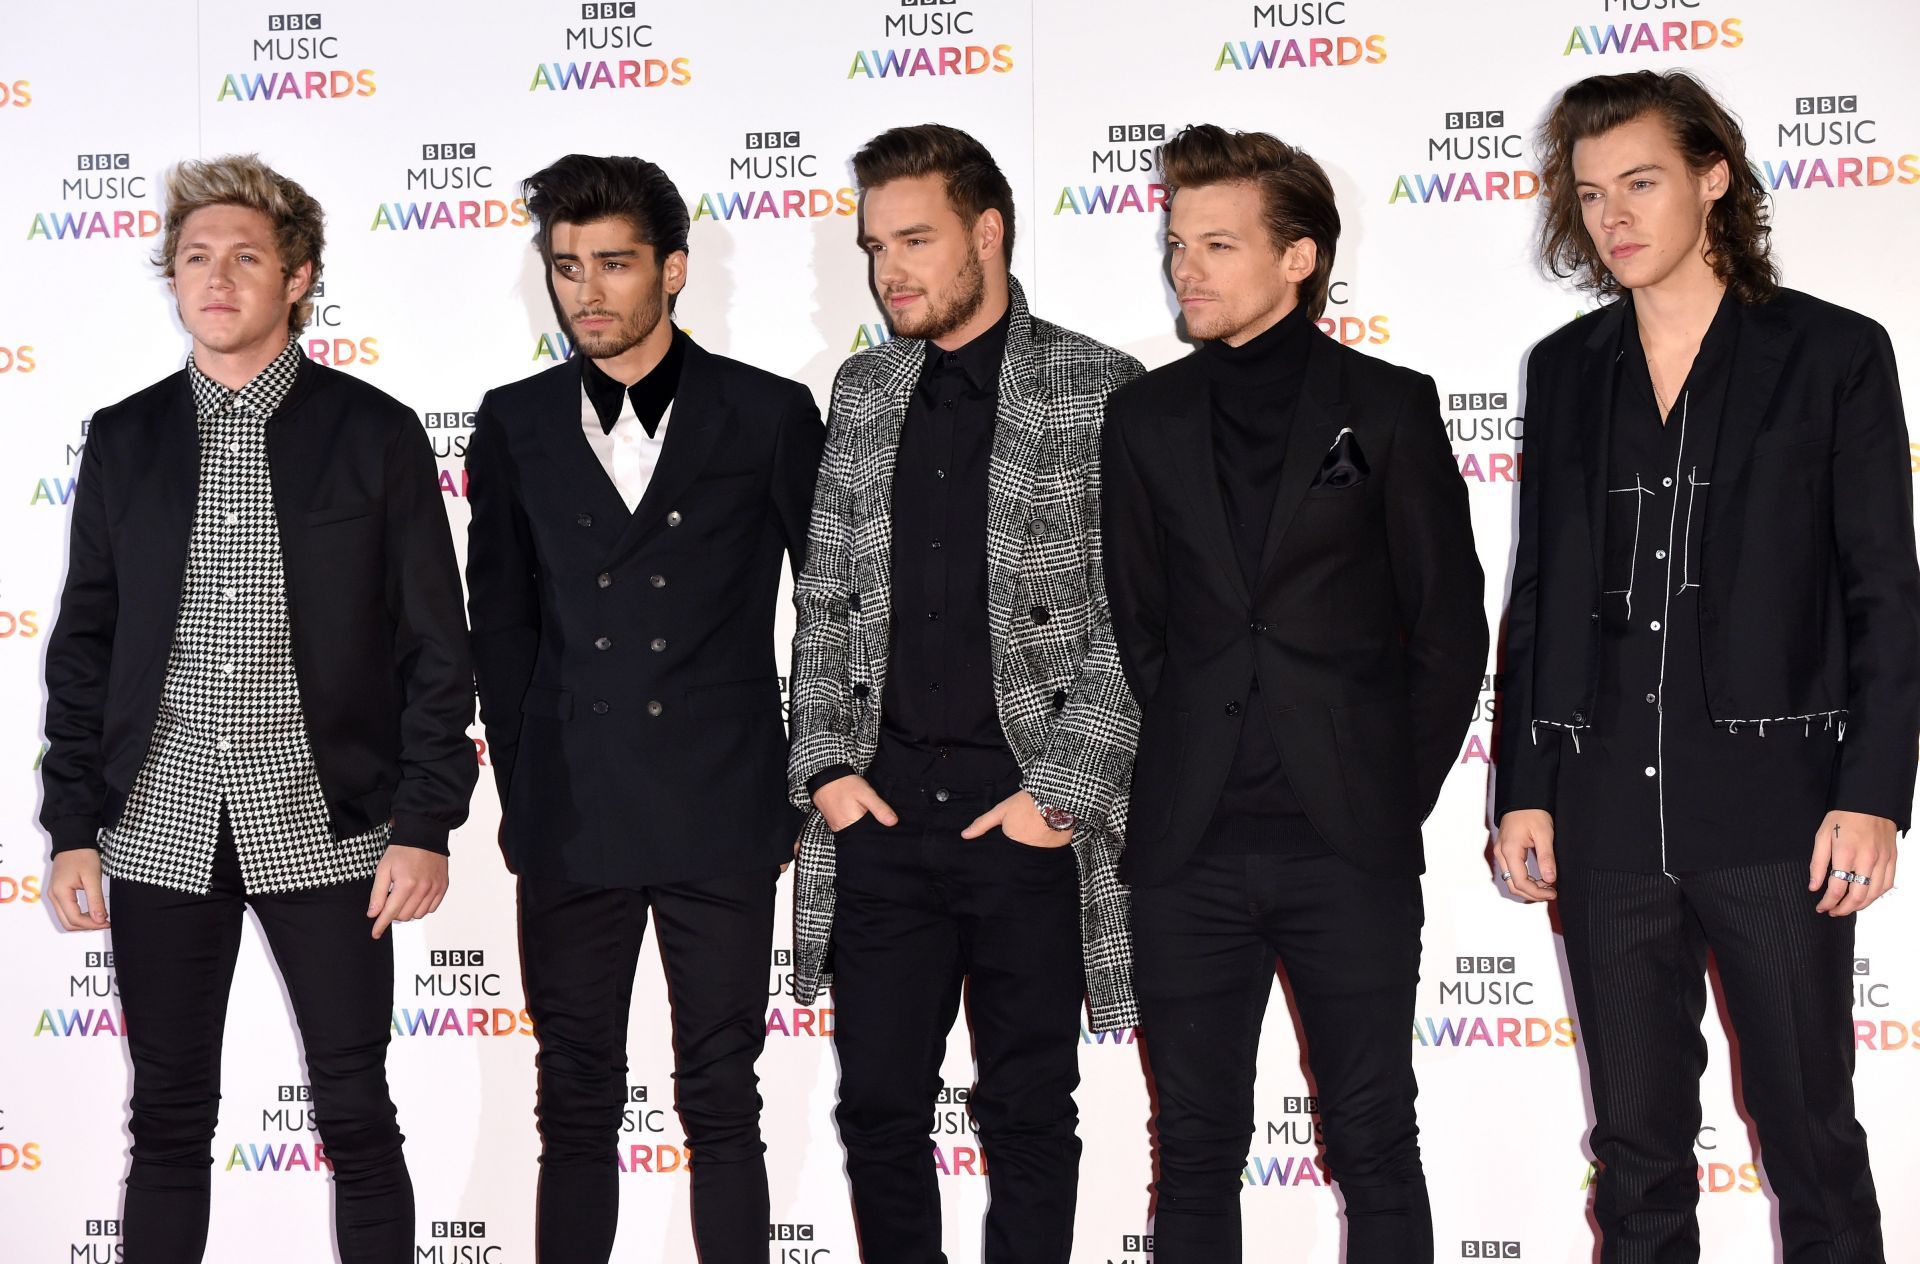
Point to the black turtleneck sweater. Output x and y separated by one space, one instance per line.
1253 389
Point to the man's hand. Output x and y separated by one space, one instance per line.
1523 831
845 800
1018 817
1862 845
410 883
77 872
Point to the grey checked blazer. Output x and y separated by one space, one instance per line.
1064 705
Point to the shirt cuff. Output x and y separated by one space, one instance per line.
827 775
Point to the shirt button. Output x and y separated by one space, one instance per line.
948 403
603 642
934 545
658 644
227 668
1666 482
1655 625
1652 772
234 448
935 686
583 520
658 581
673 519
1259 626
226 744
603 579
227 593
601 708
942 794
232 518
1660 554
654 708
1233 708
933 616
939 473
1653 697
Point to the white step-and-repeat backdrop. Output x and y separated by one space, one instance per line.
413 124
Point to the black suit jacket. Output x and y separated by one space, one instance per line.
1366 630
373 598
626 660
1809 597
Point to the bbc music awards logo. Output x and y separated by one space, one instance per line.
1486 435
1349 324
644 1129
18 1154
97 1243
631 53
91 1006
920 41
332 339
785 1019
1476 158
459 995
56 491
16 93
449 432
1286 1151
296 58
101 198
1831 142
1653 26
775 176
797 1242
1124 175
1723 1163
288 1140
956 1142
455 168
1874 1029
1313 34
458 1242
1489 1002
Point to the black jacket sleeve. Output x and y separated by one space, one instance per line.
1529 762
1135 562
79 656
503 597
796 467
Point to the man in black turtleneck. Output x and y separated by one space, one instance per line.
1297 603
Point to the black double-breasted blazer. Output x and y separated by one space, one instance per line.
1366 630
626 659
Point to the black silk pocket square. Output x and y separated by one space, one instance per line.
1344 465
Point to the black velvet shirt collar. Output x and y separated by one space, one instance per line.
651 395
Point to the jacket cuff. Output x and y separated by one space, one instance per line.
74 834
417 831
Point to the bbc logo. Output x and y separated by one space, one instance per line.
1299 1105
103 1228
1470 120
603 12
783 956
447 151
296 1093
1123 133
780 1232
773 140
1461 401
97 960
459 1228
1136 1242
1848 104
457 958
1483 965
1860 966
1489 1249
293 21
105 162
636 1092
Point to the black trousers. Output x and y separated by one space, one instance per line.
1203 966
1637 950
579 948
918 911
174 954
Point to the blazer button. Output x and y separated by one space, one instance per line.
942 794
601 708
1594 614
1579 717
654 708
657 644
603 642
1040 614
658 581
673 519
1059 700
583 520
859 691
1233 708
853 601
603 579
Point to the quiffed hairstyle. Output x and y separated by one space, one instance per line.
299 230
1294 190
1737 230
975 182
582 188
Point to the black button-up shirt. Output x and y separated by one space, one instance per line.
1253 390
939 717
1655 786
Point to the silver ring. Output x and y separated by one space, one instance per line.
1865 880
1841 874
1506 875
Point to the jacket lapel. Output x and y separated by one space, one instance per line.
1317 421
698 419
176 449
1596 417
874 448
1188 437
1759 354
579 470
1019 450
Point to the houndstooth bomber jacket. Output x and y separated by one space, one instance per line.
1063 702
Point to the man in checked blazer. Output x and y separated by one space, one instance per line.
258 695
962 733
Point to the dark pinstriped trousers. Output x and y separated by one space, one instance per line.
1637 949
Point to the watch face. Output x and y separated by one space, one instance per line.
1057 818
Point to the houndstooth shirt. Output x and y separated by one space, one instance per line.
230 730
